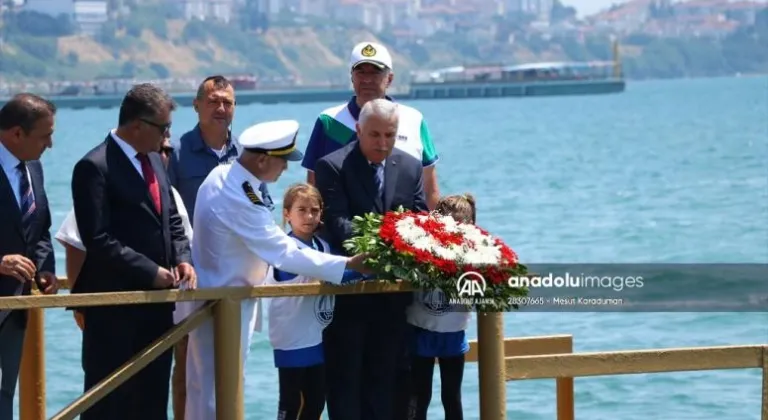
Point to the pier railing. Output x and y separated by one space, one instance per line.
500 360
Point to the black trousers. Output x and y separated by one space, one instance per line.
112 336
451 376
403 378
364 360
302 393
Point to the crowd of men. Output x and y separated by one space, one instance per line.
142 221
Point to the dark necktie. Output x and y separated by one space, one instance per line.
27 198
150 179
265 197
378 178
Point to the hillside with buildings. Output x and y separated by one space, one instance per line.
306 42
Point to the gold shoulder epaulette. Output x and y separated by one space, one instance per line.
251 194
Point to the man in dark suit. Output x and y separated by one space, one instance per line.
26 252
130 225
364 342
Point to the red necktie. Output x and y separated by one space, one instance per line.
150 179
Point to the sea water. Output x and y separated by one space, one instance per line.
666 172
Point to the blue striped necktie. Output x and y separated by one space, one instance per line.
27 198
378 169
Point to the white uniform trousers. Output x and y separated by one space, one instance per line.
201 372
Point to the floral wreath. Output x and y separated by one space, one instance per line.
432 251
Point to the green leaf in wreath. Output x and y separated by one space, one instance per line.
400 272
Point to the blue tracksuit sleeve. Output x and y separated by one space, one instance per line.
351 276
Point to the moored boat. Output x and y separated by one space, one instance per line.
530 79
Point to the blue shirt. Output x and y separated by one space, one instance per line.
191 162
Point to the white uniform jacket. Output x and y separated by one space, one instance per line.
236 240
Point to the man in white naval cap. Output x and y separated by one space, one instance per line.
236 240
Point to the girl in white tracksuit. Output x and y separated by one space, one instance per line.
439 332
296 323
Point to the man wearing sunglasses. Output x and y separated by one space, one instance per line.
130 225
69 237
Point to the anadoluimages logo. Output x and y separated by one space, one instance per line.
470 284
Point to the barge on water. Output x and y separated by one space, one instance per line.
531 79
534 79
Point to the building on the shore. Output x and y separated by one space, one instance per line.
219 10
88 16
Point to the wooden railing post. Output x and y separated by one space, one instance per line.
764 408
228 360
564 388
32 370
490 346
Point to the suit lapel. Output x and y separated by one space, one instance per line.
390 180
6 193
132 177
364 170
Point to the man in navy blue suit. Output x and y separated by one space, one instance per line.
26 252
129 223
364 343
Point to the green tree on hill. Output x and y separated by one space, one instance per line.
560 12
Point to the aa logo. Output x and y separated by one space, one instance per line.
471 284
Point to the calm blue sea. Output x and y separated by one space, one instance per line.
669 171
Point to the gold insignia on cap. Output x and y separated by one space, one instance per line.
368 51
282 151
251 194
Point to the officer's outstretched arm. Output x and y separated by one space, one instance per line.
257 228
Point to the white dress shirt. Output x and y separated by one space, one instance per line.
129 151
9 163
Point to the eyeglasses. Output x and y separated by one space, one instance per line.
167 150
165 129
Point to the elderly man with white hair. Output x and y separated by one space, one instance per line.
365 341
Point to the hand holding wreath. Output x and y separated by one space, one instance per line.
432 251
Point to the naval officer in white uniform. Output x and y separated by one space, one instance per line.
236 240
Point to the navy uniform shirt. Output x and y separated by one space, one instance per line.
192 160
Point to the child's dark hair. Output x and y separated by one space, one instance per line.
460 206
301 190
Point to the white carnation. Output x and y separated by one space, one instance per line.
477 249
